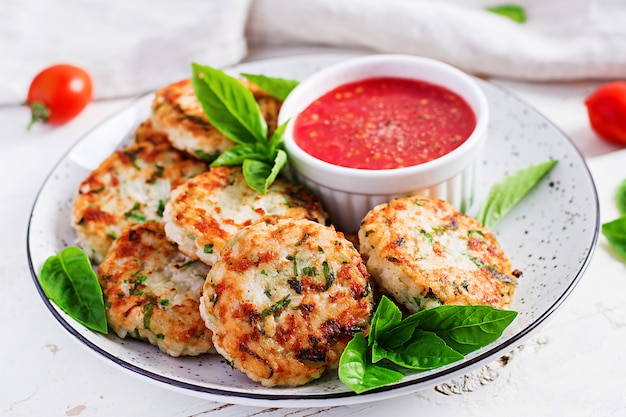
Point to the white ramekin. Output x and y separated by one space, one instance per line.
349 193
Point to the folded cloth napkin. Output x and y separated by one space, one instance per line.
560 40
130 47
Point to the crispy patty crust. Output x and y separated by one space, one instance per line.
424 253
152 292
205 211
284 300
129 187
177 112
145 132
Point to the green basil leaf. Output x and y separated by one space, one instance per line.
259 175
357 371
463 328
277 87
505 194
620 198
205 156
514 12
425 340
238 154
229 105
70 282
255 173
276 141
615 233
279 163
386 316
425 350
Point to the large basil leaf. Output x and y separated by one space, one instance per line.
504 195
359 373
463 328
425 350
69 281
229 105
277 87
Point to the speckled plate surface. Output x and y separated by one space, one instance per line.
550 236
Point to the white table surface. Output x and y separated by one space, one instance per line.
575 365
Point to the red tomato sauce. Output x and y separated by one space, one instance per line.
384 123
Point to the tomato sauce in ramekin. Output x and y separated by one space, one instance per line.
384 123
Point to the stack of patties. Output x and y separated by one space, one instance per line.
152 281
194 261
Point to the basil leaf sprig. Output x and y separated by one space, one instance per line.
425 340
509 191
232 110
615 230
70 282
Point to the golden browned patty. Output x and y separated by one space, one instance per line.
129 187
145 132
205 211
152 292
284 299
177 112
424 253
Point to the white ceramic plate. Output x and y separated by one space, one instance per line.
550 236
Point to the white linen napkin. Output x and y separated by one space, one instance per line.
561 39
130 47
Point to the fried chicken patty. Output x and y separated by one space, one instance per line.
177 112
424 253
205 211
152 292
145 132
284 299
129 187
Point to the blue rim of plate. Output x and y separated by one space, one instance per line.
288 400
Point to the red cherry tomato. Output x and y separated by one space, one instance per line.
58 93
606 107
